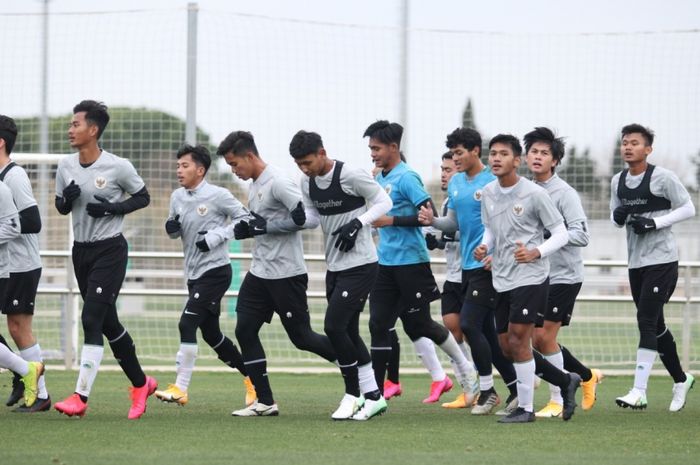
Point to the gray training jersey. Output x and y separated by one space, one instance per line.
280 254
520 214
205 208
355 182
658 246
453 254
9 227
566 264
25 249
110 177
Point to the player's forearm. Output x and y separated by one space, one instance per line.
139 200
685 211
379 206
446 223
30 220
286 225
412 220
487 239
578 234
556 241
9 229
313 218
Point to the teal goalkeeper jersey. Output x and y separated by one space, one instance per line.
402 245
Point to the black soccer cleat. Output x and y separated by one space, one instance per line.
40 405
17 391
519 415
569 396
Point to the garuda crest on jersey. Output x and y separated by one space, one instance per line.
202 210
100 182
518 209
477 195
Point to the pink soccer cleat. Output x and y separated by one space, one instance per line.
437 389
138 397
391 389
72 405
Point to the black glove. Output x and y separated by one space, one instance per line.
241 230
299 215
546 233
347 235
448 237
173 225
257 226
642 225
620 215
202 243
431 241
71 192
104 208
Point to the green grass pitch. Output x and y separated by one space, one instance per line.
203 432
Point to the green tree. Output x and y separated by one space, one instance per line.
616 164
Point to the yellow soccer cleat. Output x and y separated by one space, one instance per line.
173 394
589 387
30 381
551 410
250 395
459 402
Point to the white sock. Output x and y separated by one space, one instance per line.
525 371
464 370
33 354
12 361
645 361
425 349
365 374
485 382
90 359
184 364
556 359
466 351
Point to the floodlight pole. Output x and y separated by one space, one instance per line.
191 116
43 199
403 65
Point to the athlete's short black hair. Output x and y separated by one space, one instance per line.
634 128
238 142
95 113
385 132
545 135
447 155
466 137
304 143
199 153
8 132
507 139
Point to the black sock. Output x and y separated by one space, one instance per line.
374 395
351 380
669 356
548 372
125 353
572 364
83 398
380 358
258 375
392 368
229 354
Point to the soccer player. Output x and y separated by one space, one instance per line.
10 228
200 214
544 153
405 285
515 213
24 268
91 184
476 314
277 279
647 200
337 196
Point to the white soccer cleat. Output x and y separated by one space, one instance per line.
256 409
470 386
370 409
680 391
634 399
347 408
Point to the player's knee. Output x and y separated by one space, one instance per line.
188 329
245 331
212 337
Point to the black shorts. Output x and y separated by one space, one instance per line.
654 282
477 286
347 292
100 268
521 305
264 297
452 298
20 293
399 288
206 292
3 286
560 303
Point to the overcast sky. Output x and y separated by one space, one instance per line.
548 63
